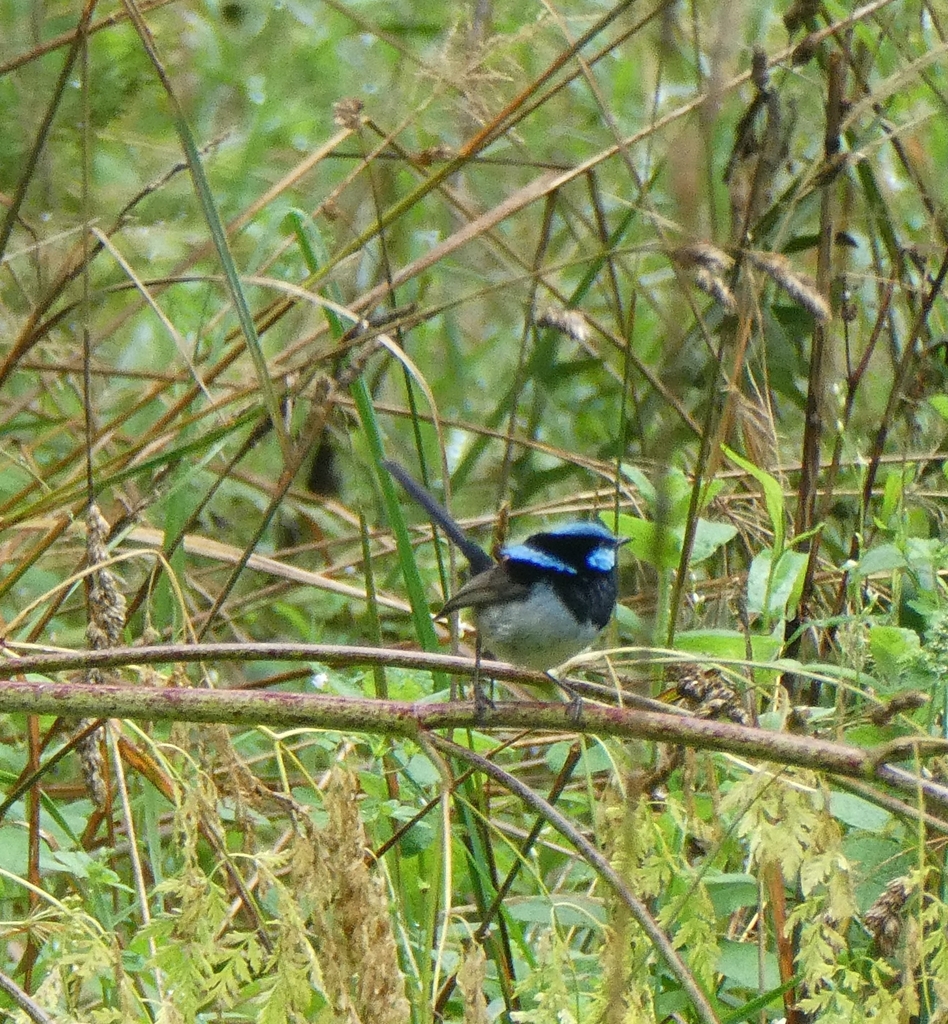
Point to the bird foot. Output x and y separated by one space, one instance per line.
482 703
574 710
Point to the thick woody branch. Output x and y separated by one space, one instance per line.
286 710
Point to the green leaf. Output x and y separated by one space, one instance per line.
729 891
594 759
641 481
740 963
79 864
893 648
771 589
709 537
674 497
729 644
231 276
773 496
422 771
417 839
858 813
654 545
882 559
660 545
315 256
891 497
573 910
940 404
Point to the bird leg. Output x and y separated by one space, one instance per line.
575 708
482 703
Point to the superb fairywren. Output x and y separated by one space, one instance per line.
546 598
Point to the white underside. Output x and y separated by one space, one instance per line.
539 632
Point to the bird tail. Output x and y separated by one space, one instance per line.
478 558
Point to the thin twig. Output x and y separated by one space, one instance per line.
599 862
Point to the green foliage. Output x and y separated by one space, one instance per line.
656 279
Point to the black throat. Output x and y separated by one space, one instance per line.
589 594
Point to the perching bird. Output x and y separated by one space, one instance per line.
546 599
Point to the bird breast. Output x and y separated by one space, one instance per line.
536 631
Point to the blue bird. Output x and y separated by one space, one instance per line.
545 599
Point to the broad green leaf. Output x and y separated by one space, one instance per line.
80 865
771 589
925 555
916 523
641 481
650 544
879 858
674 496
891 497
739 962
758 583
417 839
661 547
853 810
421 770
572 910
728 644
882 559
709 536
731 890
595 758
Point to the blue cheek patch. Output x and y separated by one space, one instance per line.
602 559
527 555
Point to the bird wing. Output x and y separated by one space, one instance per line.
492 587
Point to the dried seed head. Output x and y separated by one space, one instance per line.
92 763
798 286
472 978
570 322
910 700
106 622
97 534
716 287
347 113
707 693
799 13
358 955
708 266
884 918
702 254
435 155
106 603
805 50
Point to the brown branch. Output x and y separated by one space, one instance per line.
240 707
